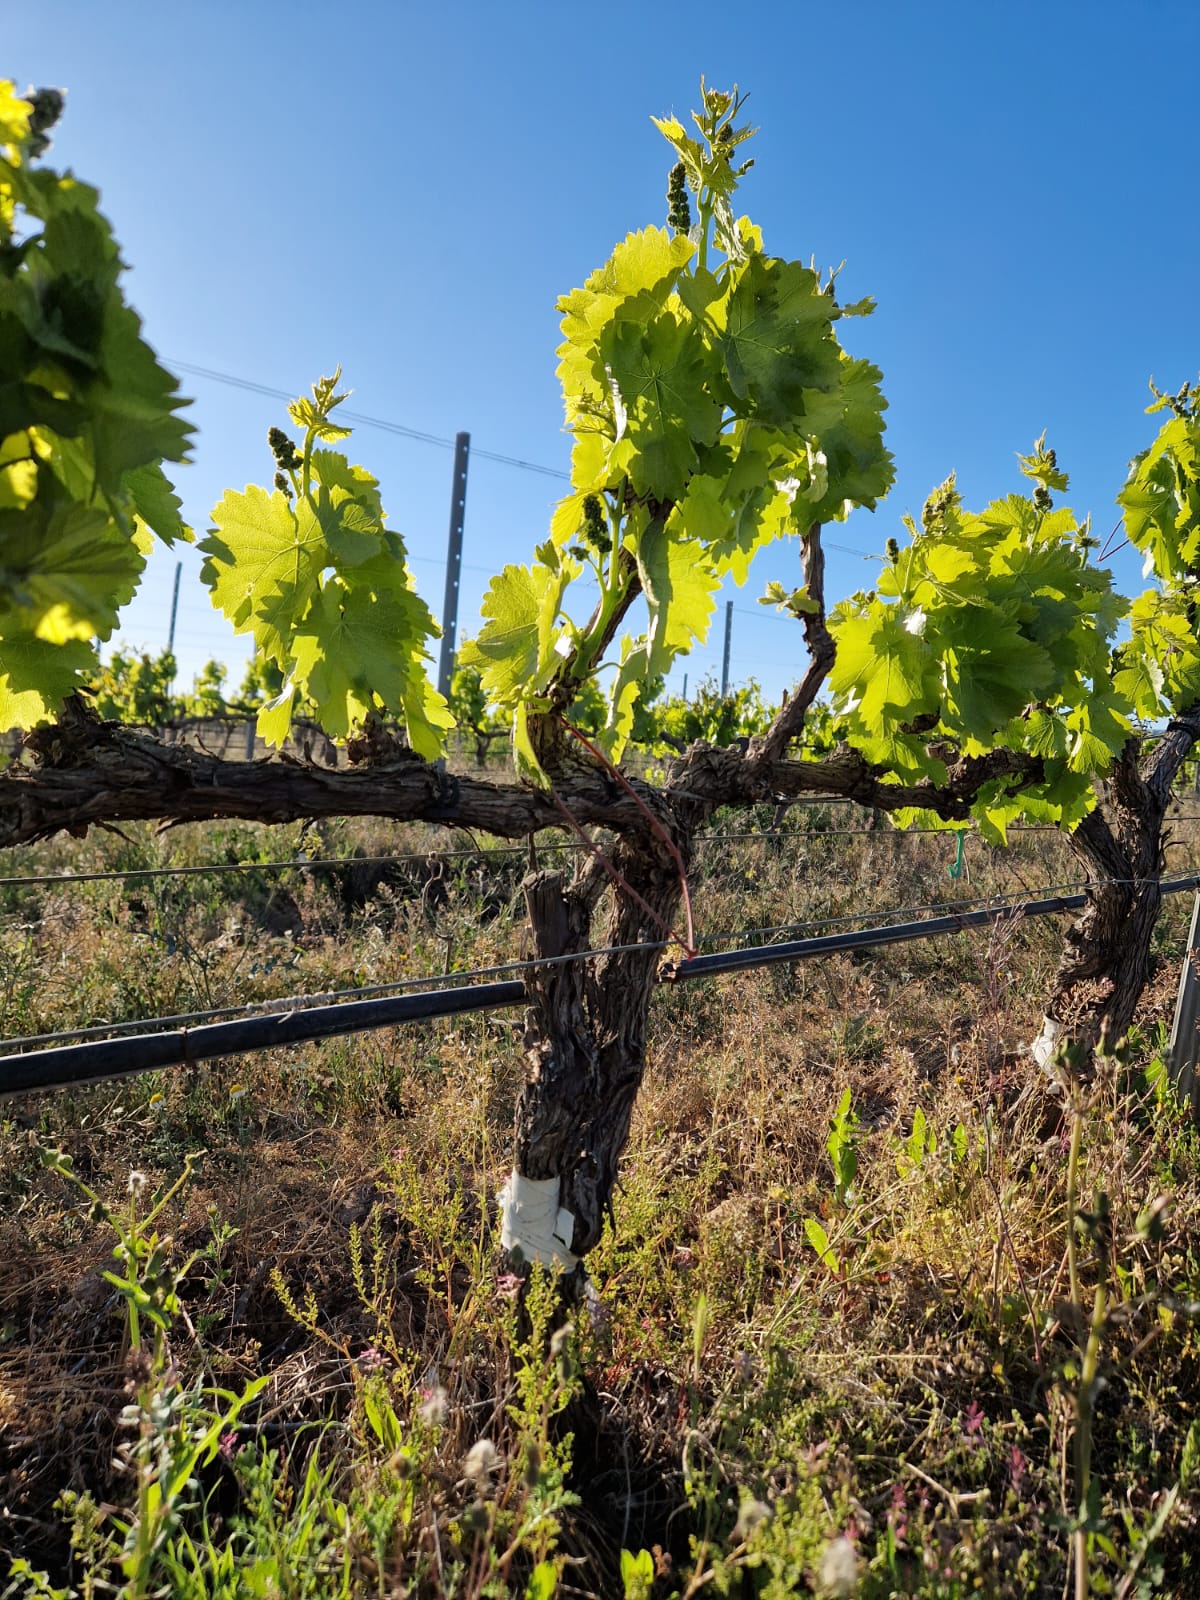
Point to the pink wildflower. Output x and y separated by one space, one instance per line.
898 1512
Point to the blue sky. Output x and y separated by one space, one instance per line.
406 189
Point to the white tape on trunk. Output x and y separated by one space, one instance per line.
532 1221
1043 1047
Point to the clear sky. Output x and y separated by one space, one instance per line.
406 189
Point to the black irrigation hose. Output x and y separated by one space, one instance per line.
117 1058
279 1003
111 1058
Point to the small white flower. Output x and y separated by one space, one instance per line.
432 1409
839 1567
481 1463
137 1182
751 1515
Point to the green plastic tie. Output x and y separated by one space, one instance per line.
956 871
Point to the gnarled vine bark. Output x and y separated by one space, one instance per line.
1105 964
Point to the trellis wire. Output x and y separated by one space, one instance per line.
311 863
79 1063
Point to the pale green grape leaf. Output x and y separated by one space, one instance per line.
689 150
1046 736
69 571
1098 730
275 719
427 716
1013 514
679 586
18 472
590 454
36 676
1070 796
354 650
308 416
528 765
1159 667
506 648
134 413
551 638
777 340
649 261
628 682
1057 525
800 603
860 470
661 370
996 818
988 684
1141 680
567 517
883 667
902 754
375 654
156 503
948 564
1160 498
1182 673
262 564
757 520
1150 510
636 281
1042 467
645 263
704 295
14 119
753 505
69 460
704 511
348 508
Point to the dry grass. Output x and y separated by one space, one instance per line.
915 1390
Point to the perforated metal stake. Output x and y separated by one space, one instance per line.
1184 1048
458 511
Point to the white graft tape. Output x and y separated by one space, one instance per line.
532 1221
1043 1047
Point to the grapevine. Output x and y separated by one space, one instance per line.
712 411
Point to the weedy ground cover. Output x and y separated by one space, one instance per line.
870 1317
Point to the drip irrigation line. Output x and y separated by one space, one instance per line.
189 1019
114 1058
289 1003
110 1058
870 938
